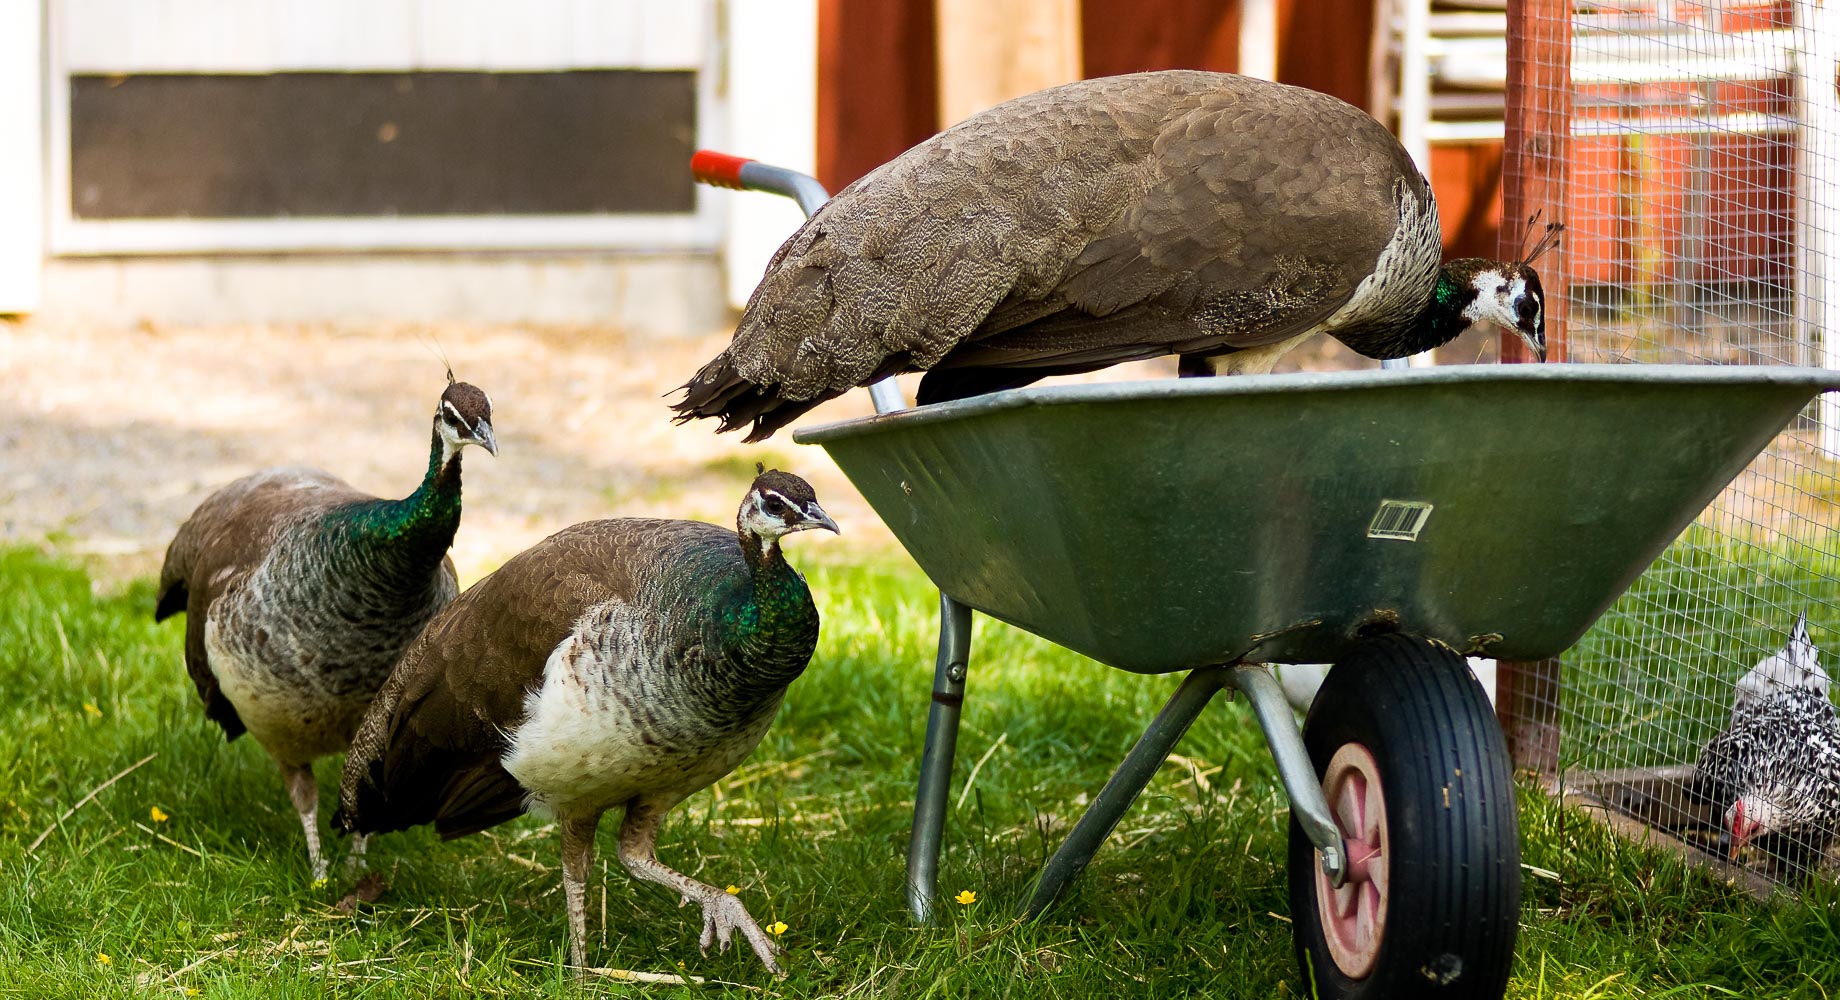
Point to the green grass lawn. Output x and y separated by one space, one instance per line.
211 897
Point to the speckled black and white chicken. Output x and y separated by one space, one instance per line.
1776 767
300 592
619 664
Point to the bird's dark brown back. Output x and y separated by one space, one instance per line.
1104 221
429 749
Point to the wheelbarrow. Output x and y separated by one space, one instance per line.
1387 522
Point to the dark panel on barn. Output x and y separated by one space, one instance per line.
369 144
878 83
1130 36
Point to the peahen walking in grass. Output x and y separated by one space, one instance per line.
300 593
619 664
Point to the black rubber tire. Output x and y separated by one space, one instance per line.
1454 871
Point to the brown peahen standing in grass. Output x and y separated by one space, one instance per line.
300 593
619 664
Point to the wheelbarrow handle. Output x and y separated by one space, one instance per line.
730 171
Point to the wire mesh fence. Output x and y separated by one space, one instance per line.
1702 205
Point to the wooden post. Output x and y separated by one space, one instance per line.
993 50
1536 177
1130 36
1817 198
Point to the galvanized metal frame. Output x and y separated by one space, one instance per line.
1201 683
1295 770
935 782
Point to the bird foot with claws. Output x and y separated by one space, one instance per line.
723 915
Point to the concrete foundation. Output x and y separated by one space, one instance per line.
658 295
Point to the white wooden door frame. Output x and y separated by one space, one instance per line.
22 222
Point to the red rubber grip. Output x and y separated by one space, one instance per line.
718 169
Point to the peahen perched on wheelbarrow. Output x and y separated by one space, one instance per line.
1221 218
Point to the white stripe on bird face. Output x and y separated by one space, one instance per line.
1497 299
453 430
756 518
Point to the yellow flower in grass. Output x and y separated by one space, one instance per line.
966 898
776 928
159 815
321 882
102 958
191 991
733 890
90 709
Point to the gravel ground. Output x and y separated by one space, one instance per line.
110 437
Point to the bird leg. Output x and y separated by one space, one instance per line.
577 860
354 862
723 914
305 792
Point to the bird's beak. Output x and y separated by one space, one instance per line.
1535 341
484 438
1743 828
815 517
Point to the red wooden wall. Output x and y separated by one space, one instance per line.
1130 36
878 87
878 83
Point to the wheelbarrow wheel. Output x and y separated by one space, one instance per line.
1416 773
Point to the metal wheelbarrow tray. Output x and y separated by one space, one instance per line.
1378 520
1164 525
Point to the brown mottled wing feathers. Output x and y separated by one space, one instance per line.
1180 208
226 538
429 748
1256 222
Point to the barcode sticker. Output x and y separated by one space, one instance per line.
1399 519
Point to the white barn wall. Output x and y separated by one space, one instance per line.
771 104
269 36
22 220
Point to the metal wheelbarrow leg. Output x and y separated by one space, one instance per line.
1126 783
936 759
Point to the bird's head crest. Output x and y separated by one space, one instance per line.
1546 242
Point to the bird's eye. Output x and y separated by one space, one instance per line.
773 506
1527 308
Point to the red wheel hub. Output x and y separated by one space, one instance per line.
1354 915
